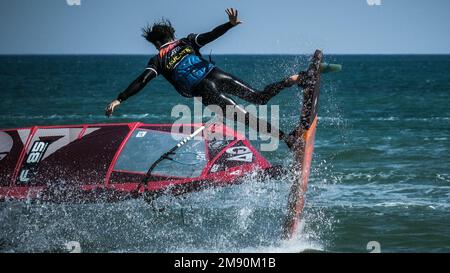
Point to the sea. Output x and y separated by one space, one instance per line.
380 178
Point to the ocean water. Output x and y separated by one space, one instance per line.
381 168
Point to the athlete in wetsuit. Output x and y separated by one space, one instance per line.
181 63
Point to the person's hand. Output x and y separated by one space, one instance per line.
233 16
110 108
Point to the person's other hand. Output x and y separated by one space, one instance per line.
233 16
110 108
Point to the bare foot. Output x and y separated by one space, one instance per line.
297 79
294 78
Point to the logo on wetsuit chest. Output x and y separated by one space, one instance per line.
184 67
177 55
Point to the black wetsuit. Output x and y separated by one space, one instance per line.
181 63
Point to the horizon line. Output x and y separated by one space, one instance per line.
222 54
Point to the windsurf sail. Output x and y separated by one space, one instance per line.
107 162
169 155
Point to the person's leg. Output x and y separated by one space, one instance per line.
208 91
234 86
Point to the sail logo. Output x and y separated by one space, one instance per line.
240 153
374 2
34 157
141 134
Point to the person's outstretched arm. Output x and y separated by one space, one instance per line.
137 85
208 37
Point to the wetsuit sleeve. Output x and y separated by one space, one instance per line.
204 38
139 83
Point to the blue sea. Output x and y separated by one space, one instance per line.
380 173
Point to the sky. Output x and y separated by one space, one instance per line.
269 27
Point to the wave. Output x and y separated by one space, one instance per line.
391 118
393 195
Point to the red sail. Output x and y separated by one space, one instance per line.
108 161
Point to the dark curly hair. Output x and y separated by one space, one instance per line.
159 33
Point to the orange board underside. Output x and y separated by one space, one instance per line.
298 190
